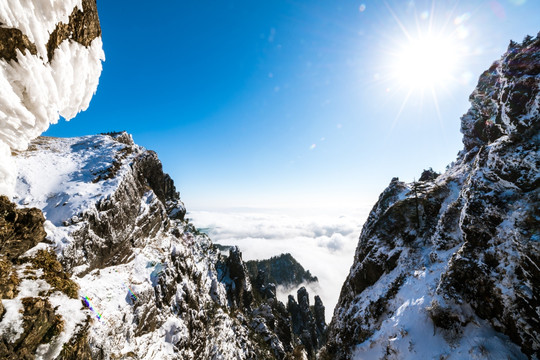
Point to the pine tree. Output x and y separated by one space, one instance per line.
418 188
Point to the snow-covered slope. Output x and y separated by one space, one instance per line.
50 63
449 267
151 285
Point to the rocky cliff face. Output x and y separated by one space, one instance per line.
307 323
27 318
102 261
449 266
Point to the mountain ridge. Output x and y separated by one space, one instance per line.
281 269
457 255
112 222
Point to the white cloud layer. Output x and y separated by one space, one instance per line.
322 241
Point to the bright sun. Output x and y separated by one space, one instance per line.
425 57
426 62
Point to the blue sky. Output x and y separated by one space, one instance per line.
290 103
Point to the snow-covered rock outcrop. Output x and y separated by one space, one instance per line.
50 63
144 282
449 267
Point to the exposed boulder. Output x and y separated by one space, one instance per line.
429 175
77 348
9 280
320 322
237 281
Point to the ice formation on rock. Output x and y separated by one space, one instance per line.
50 63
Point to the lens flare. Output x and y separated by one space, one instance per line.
88 304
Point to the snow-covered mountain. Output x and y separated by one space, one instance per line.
96 258
449 267
113 270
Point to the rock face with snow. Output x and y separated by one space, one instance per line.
449 266
27 321
107 254
308 323
50 63
280 270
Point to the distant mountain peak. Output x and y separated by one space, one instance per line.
282 270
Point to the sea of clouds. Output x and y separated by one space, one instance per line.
323 241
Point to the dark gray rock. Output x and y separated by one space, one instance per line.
239 288
307 322
320 322
428 175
